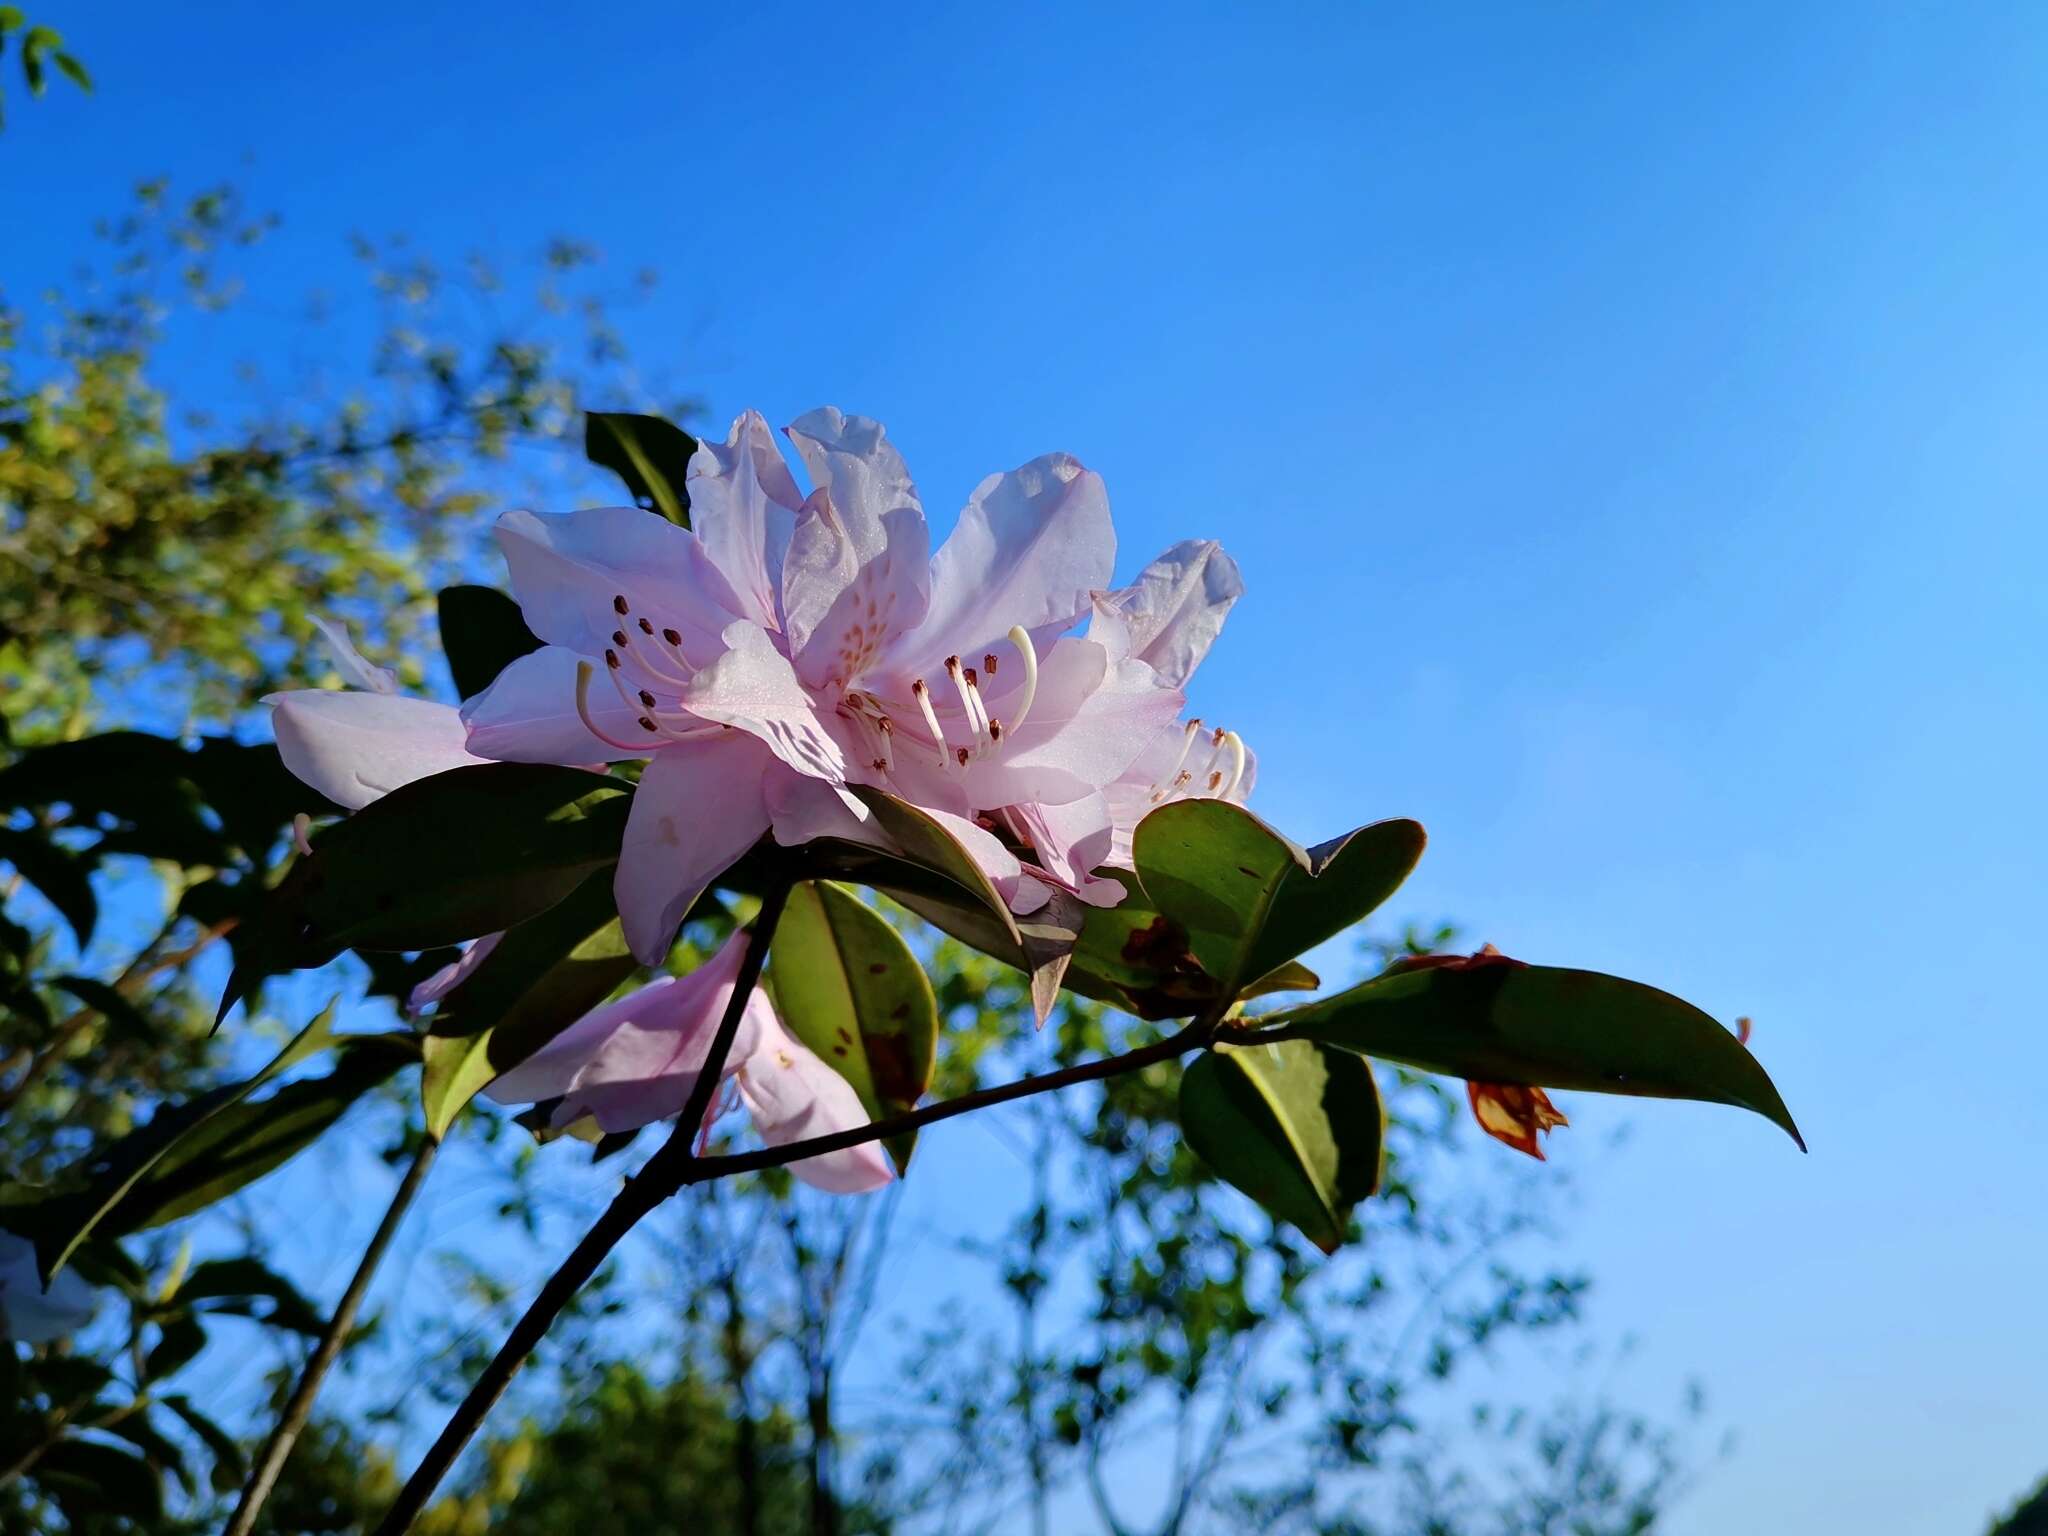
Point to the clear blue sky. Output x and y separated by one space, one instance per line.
1630 423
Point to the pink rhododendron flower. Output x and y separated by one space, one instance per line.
359 743
792 645
636 1060
30 1313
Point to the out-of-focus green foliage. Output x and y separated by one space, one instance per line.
41 49
144 541
2029 1517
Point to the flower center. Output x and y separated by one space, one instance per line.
977 736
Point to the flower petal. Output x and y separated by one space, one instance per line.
857 573
743 505
568 569
753 688
27 1311
529 715
635 1060
1171 615
698 808
1030 549
453 975
349 662
356 747
1091 718
793 1096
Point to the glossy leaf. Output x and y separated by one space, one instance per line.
1296 1126
651 455
482 633
848 986
540 978
235 1284
1248 898
122 1016
1548 1027
445 858
229 1467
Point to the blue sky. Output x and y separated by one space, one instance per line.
1629 423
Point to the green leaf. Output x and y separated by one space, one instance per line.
651 455
1543 1026
11 18
1297 1127
540 978
73 70
924 848
483 633
229 1468
60 874
436 861
89 1479
848 986
245 1279
179 1346
190 1155
1248 898
115 1172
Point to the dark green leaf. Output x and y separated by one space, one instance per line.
190 1155
445 858
73 70
849 987
244 1279
60 874
482 633
1495 1020
539 979
1296 1126
651 455
229 1467
181 1341
91 1480
141 1432
1249 898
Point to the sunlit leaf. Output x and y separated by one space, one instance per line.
540 978
849 987
1296 1126
1248 898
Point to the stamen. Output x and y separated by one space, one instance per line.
923 695
963 754
886 728
647 698
1237 762
583 671
977 710
995 731
619 604
988 663
966 699
1187 742
1216 756
1021 639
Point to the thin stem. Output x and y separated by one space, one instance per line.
279 1446
664 1173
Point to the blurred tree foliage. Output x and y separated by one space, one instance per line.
41 49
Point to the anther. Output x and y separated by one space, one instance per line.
611 659
648 725
619 603
988 663
647 698
962 754
619 639
673 637
646 628
923 695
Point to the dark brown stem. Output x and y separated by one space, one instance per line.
664 1173
279 1446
